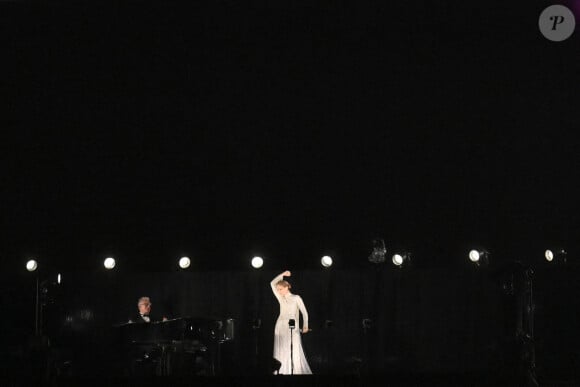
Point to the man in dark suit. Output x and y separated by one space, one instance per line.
143 359
145 315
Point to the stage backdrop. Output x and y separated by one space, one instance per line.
372 320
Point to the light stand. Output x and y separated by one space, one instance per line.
41 287
256 325
366 325
526 327
39 344
292 325
42 302
519 286
37 308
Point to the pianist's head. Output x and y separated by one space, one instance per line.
144 305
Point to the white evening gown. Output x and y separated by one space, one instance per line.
290 307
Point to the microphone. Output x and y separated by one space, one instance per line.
292 323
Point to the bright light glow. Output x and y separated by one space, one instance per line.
184 262
474 256
398 259
109 263
555 255
257 262
58 278
326 261
31 265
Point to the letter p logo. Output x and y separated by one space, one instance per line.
557 23
557 20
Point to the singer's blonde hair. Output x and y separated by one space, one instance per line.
284 284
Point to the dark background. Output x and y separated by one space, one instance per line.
150 131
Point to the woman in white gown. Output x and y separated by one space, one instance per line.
291 305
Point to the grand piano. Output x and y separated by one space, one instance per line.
181 346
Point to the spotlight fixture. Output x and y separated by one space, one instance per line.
326 261
379 251
479 256
257 262
31 265
184 262
401 259
557 255
109 263
367 323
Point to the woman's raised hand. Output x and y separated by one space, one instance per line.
287 273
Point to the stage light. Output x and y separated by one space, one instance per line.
367 323
31 265
58 278
257 262
474 256
400 259
555 255
184 262
326 261
379 251
109 263
479 256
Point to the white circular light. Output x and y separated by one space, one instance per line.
549 254
184 262
474 256
31 265
398 259
326 261
109 263
257 262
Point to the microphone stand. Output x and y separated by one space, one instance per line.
292 325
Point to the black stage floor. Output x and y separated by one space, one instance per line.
296 380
